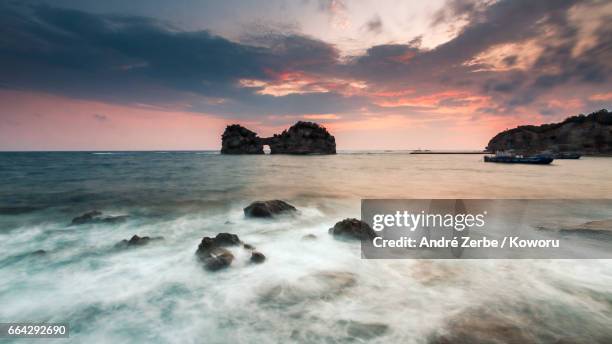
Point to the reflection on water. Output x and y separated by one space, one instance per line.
307 290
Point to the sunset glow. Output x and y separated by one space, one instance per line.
173 81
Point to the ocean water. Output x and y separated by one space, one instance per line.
306 291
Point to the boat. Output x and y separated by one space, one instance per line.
567 155
509 158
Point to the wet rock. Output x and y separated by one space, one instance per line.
136 240
309 237
248 247
212 253
38 253
96 216
227 239
353 229
237 139
257 257
268 208
219 258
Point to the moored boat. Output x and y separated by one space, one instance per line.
507 158
567 155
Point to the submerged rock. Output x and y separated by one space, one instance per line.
362 330
136 240
599 227
308 237
38 253
353 229
319 285
268 208
239 140
96 216
257 257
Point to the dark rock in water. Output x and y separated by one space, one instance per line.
301 138
309 237
219 258
227 239
268 208
96 216
248 247
86 218
213 255
136 240
239 140
353 228
590 135
257 257
38 253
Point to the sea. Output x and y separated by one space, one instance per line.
307 291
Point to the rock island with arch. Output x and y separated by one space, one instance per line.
301 138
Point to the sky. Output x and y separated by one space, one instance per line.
170 75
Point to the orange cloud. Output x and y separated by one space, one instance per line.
601 96
321 116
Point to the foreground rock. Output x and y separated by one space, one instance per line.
352 229
257 257
590 135
239 140
96 216
301 138
136 240
268 208
215 256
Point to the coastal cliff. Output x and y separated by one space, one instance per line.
590 134
301 138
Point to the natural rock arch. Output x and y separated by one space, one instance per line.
301 138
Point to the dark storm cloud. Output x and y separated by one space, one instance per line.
135 59
132 59
491 25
